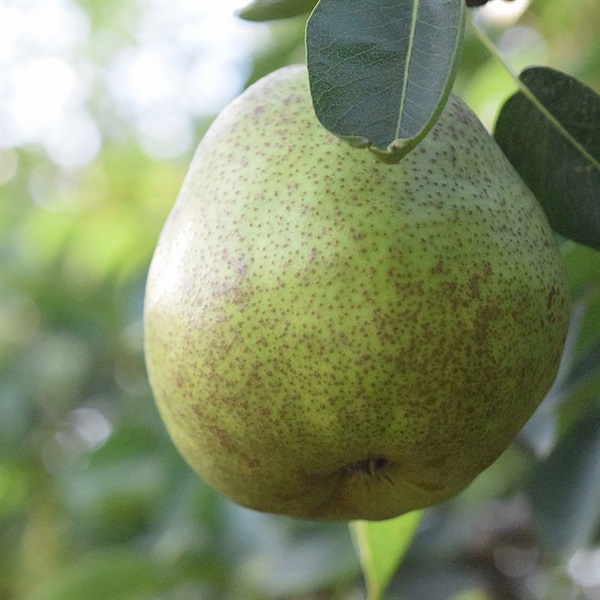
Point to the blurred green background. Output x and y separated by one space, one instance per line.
103 104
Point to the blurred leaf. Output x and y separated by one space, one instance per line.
380 73
287 48
586 368
279 557
583 268
539 435
14 488
475 594
565 489
185 516
557 154
270 10
109 575
113 496
300 567
381 546
581 382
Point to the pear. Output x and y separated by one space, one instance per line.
331 337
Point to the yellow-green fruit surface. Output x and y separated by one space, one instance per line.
328 336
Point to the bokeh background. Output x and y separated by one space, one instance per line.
102 105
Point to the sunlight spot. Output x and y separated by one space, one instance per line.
584 568
42 88
503 14
74 140
90 426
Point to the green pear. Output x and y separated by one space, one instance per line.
331 337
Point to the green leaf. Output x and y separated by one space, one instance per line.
381 72
381 546
565 489
271 10
551 135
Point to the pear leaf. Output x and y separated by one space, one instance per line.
381 72
551 135
271 10
381 546
565 489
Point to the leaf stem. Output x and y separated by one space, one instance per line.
495 53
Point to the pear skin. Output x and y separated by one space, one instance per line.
331 337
